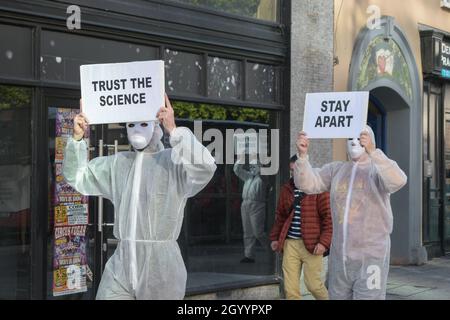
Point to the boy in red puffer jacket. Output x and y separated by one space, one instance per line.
302 231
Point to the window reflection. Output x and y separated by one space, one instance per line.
212 240
224 78
183 72
261 83
15 51
15 173
63 54
259 9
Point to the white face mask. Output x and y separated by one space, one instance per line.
354 148
140 134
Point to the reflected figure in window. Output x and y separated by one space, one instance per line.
253 209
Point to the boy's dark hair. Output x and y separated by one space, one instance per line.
293 159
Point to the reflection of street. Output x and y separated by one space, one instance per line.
14 272
14 187
211 265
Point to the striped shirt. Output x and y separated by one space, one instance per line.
295 230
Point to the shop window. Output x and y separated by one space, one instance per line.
262 82
15 52
183 72
224 78
63 54
259 9
15 175
212 238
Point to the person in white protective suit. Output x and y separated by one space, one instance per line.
253 209
149 189
362 217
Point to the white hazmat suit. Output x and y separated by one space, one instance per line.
253 208
362 218
149 190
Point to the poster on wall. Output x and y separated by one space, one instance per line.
71 208
69 260
71 216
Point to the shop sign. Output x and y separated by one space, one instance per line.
445 59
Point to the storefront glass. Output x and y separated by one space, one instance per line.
212 238
16 52
63 54
259 9
15 187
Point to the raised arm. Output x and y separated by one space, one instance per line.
91 178
307 179
391 177
239 170
195 160
88 178
196 163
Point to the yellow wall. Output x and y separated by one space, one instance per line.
353 17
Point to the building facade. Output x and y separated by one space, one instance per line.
398 52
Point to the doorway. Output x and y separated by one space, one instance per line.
376 119
434 177
446 213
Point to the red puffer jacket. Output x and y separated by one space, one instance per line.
315 217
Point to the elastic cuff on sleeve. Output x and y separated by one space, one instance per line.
305 158
178 134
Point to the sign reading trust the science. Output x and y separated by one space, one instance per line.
335 114
122 92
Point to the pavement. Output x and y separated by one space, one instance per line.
430 281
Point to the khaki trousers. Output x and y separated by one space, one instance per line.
295 256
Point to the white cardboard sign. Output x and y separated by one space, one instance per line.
332 115
122 92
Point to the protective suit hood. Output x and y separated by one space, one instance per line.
254 169
354 149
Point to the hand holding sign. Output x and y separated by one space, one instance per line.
302 144
366 142
166 116
80 124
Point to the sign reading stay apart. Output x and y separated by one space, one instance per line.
122 92
335 114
